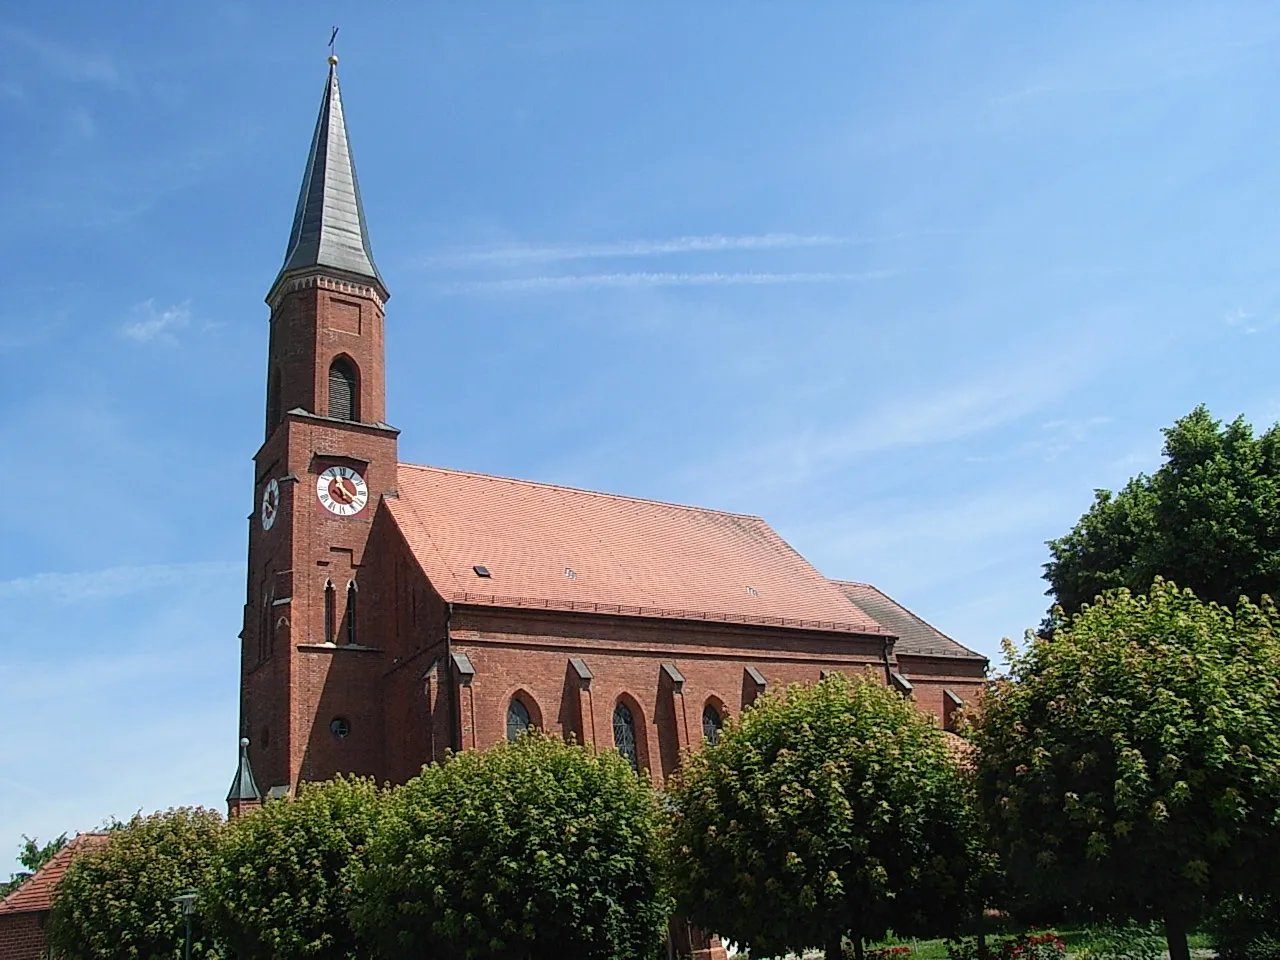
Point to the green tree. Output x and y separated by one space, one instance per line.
1208 519
278 883
1131 764
826 811
115 901
32 856
530 850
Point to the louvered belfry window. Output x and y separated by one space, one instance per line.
342 390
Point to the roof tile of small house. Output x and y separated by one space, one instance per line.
36 894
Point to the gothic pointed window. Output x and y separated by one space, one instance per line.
349 622
712 723
343 390
518 720
624 734
329 612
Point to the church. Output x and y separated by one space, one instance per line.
396 612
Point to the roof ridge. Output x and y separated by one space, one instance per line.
571 489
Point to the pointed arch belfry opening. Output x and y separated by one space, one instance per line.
344 389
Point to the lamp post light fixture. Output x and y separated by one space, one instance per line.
187 900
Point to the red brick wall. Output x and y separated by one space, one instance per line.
411 622
930 676
527 654
21 936
292 684
311 325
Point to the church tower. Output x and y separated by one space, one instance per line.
309 673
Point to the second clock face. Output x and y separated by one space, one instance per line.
342 491
270 503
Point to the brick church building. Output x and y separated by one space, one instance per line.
398 611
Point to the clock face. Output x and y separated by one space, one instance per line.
342 491
270 504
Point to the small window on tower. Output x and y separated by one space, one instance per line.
342 390
329 612
351 614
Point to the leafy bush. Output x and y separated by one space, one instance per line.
1130 941
278 884
1032 945
1247 929
1131 763
534 849
827 810
116 901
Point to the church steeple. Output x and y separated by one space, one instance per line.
330 233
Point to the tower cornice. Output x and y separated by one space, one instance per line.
326 279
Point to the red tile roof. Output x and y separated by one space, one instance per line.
915 636
36 895
559 548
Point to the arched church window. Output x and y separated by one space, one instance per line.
624 734
712 723
342 390
518 720
350 622
329 612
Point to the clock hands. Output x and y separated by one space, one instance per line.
340 487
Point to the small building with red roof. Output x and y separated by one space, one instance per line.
24 912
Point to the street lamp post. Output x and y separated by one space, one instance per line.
187 900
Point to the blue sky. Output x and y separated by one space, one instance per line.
908 280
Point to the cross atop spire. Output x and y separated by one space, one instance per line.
329 229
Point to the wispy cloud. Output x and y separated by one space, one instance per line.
596 280
552 252
1247 322
107 583
150 323
76 66
709 243
1052 440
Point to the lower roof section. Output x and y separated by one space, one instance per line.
915 636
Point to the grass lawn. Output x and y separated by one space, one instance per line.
1076 938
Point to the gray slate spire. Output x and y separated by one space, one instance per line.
329 227
243 787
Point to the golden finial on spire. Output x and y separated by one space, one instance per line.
333 53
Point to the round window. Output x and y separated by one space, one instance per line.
340 728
